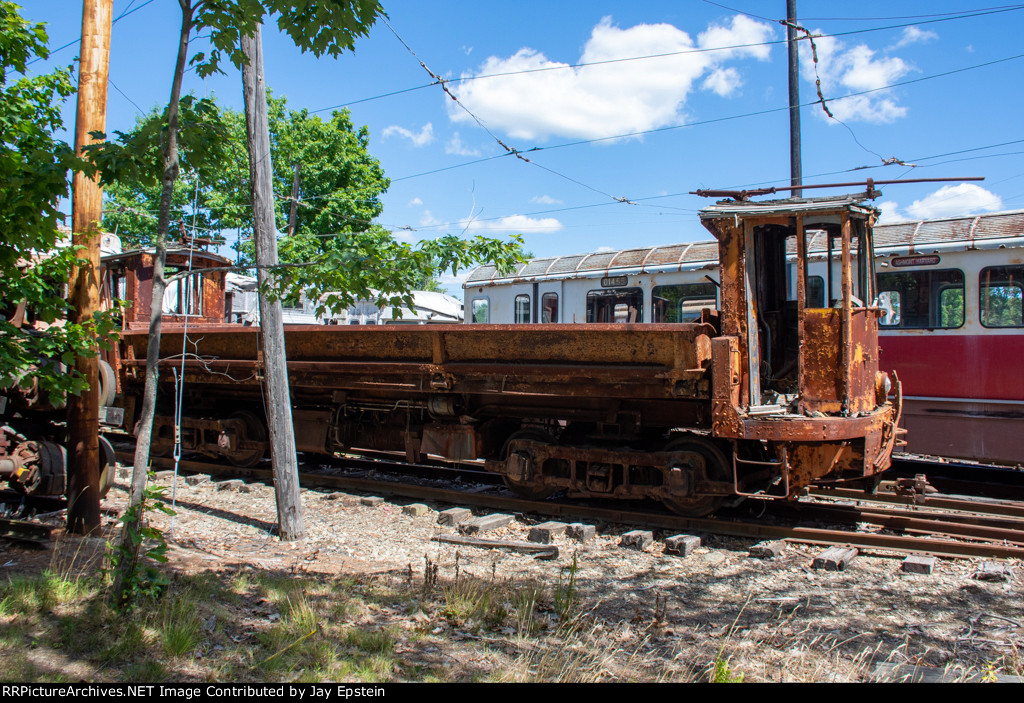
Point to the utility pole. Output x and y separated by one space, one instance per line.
795 167
291 524
86 213
295 201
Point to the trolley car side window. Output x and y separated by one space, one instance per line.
682 303
481 310
1001 296
615 305
549 307
522 309
929 299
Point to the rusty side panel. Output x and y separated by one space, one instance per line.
725 387
820 377
821 383
644 361
863 367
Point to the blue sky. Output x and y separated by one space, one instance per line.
618 143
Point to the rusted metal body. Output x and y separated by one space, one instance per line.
762 397
802 379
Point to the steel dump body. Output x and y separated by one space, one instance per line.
565 368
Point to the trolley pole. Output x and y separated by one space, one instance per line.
291 523
86 213
795 167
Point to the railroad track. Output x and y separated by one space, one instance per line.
947 527
963 477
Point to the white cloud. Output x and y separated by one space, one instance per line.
403 235
455 145
428 220
414 201
447 279
723 81
890 213
949 201
545 200
512 223
608 98
913 35
604 250
855 70
422 138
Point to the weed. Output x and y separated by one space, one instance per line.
372 641
179 630
566 600
129 641
429 575
288 641
721 673
524 604
470 599
147 671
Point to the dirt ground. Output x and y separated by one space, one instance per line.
638 615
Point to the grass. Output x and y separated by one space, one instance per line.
446 625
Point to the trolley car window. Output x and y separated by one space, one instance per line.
481 309
615 305
522 311
549 307
184 296
682 303
815 291
1002 302
932 299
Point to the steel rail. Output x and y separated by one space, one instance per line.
941 502
25 531
808 535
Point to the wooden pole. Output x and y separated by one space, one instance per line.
795 161
291 524
86 213
293 213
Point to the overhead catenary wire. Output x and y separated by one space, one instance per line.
681 52
714 120
510 150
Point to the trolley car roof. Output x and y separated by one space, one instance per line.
976 231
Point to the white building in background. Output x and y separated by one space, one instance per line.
428 308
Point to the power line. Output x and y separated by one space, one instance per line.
560 67
127 11
510 150
714 120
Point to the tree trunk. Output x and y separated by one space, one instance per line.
145 427
291 524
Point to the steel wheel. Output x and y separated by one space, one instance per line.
715 466
527 491
255 431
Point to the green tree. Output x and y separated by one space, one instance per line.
323 28
131 168
34 170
